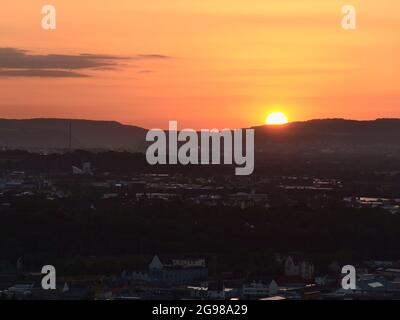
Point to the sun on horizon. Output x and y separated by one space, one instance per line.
276 118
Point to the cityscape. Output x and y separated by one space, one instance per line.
193 158
140 232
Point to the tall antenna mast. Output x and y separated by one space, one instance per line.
70 135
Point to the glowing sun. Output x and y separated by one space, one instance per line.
276 118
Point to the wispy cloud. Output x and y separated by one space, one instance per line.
16 62
41 73
151 57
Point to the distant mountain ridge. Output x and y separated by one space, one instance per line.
63 133
331 135
327 135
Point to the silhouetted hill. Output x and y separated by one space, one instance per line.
314 136
331 136
85 134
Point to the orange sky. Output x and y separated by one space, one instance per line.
228 63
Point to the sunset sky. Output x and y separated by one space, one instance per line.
205 63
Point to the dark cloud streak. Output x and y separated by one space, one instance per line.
42 74
16 62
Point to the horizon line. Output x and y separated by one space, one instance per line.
253 126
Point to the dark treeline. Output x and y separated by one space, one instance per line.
35 227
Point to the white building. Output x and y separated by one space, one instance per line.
156 263
86 169
301 268
189 263
260 289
